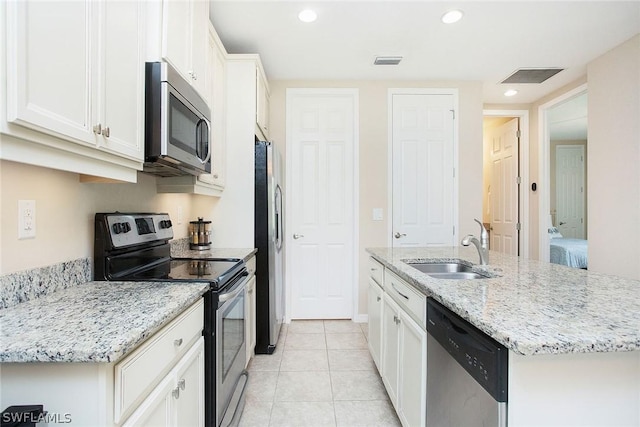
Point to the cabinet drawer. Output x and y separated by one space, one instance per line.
251 266
139 372
410 299
376 271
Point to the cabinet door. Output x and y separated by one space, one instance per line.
375 321
218 101
412 381
250 312
262 103
121 82
50 50
156 409
176 35
390 346
188 396
199 46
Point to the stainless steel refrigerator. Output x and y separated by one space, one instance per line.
269 239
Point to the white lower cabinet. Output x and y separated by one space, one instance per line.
250 310
404 366
398 343
375 321
179 398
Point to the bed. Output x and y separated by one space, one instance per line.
570 252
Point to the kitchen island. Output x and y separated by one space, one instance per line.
573 336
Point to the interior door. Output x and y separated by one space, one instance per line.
321 142
570 206
423 170
504 232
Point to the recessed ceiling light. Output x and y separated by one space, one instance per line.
307 15
511 92
452 16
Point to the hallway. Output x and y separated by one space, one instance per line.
321 374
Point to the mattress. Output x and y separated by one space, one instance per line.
570 252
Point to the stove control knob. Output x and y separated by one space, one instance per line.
117 228
165 224
126 227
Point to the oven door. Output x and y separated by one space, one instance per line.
230 351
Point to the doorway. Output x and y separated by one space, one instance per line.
562 121
505 206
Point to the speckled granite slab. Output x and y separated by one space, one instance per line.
34 283
531 307
95 322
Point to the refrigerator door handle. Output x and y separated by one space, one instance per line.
278 207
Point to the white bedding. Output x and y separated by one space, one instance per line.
571 252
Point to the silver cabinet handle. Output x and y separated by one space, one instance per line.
398 235
105 132
181 384
378 299
374 269
176 393
298 236
401 294
97 129
177 342
562 223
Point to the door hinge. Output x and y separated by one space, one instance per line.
518 180
518 134
581 220
454 172
518 226
454 114
454 230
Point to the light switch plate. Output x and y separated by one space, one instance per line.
377 214
26 219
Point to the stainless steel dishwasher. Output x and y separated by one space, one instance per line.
467 373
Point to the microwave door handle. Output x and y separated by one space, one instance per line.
202 124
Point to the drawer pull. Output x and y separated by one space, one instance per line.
374 269
176 393
177 342
181 384
401 294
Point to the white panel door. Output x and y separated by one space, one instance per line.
504 188
570 191
423 171
322 137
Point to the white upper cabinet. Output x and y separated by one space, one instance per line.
262 102
75 71
185 27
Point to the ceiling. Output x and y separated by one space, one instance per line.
492 40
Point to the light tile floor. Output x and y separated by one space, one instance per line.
321 374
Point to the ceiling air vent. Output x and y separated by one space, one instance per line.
531 75
387 60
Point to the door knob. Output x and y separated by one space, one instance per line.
297 236
398 235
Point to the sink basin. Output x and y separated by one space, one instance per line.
448 270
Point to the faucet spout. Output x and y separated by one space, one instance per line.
481 245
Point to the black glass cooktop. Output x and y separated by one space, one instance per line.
215 272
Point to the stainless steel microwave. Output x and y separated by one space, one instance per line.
177 124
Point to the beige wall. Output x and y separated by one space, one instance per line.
373 154
614 161
65 210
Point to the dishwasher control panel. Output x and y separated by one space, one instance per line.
485 359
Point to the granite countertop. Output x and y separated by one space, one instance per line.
92 322
531 307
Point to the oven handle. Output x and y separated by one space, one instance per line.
231 295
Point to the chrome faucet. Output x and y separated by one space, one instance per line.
482 245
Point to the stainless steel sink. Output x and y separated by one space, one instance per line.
448 270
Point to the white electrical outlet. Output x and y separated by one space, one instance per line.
26 219
179 215
377 214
